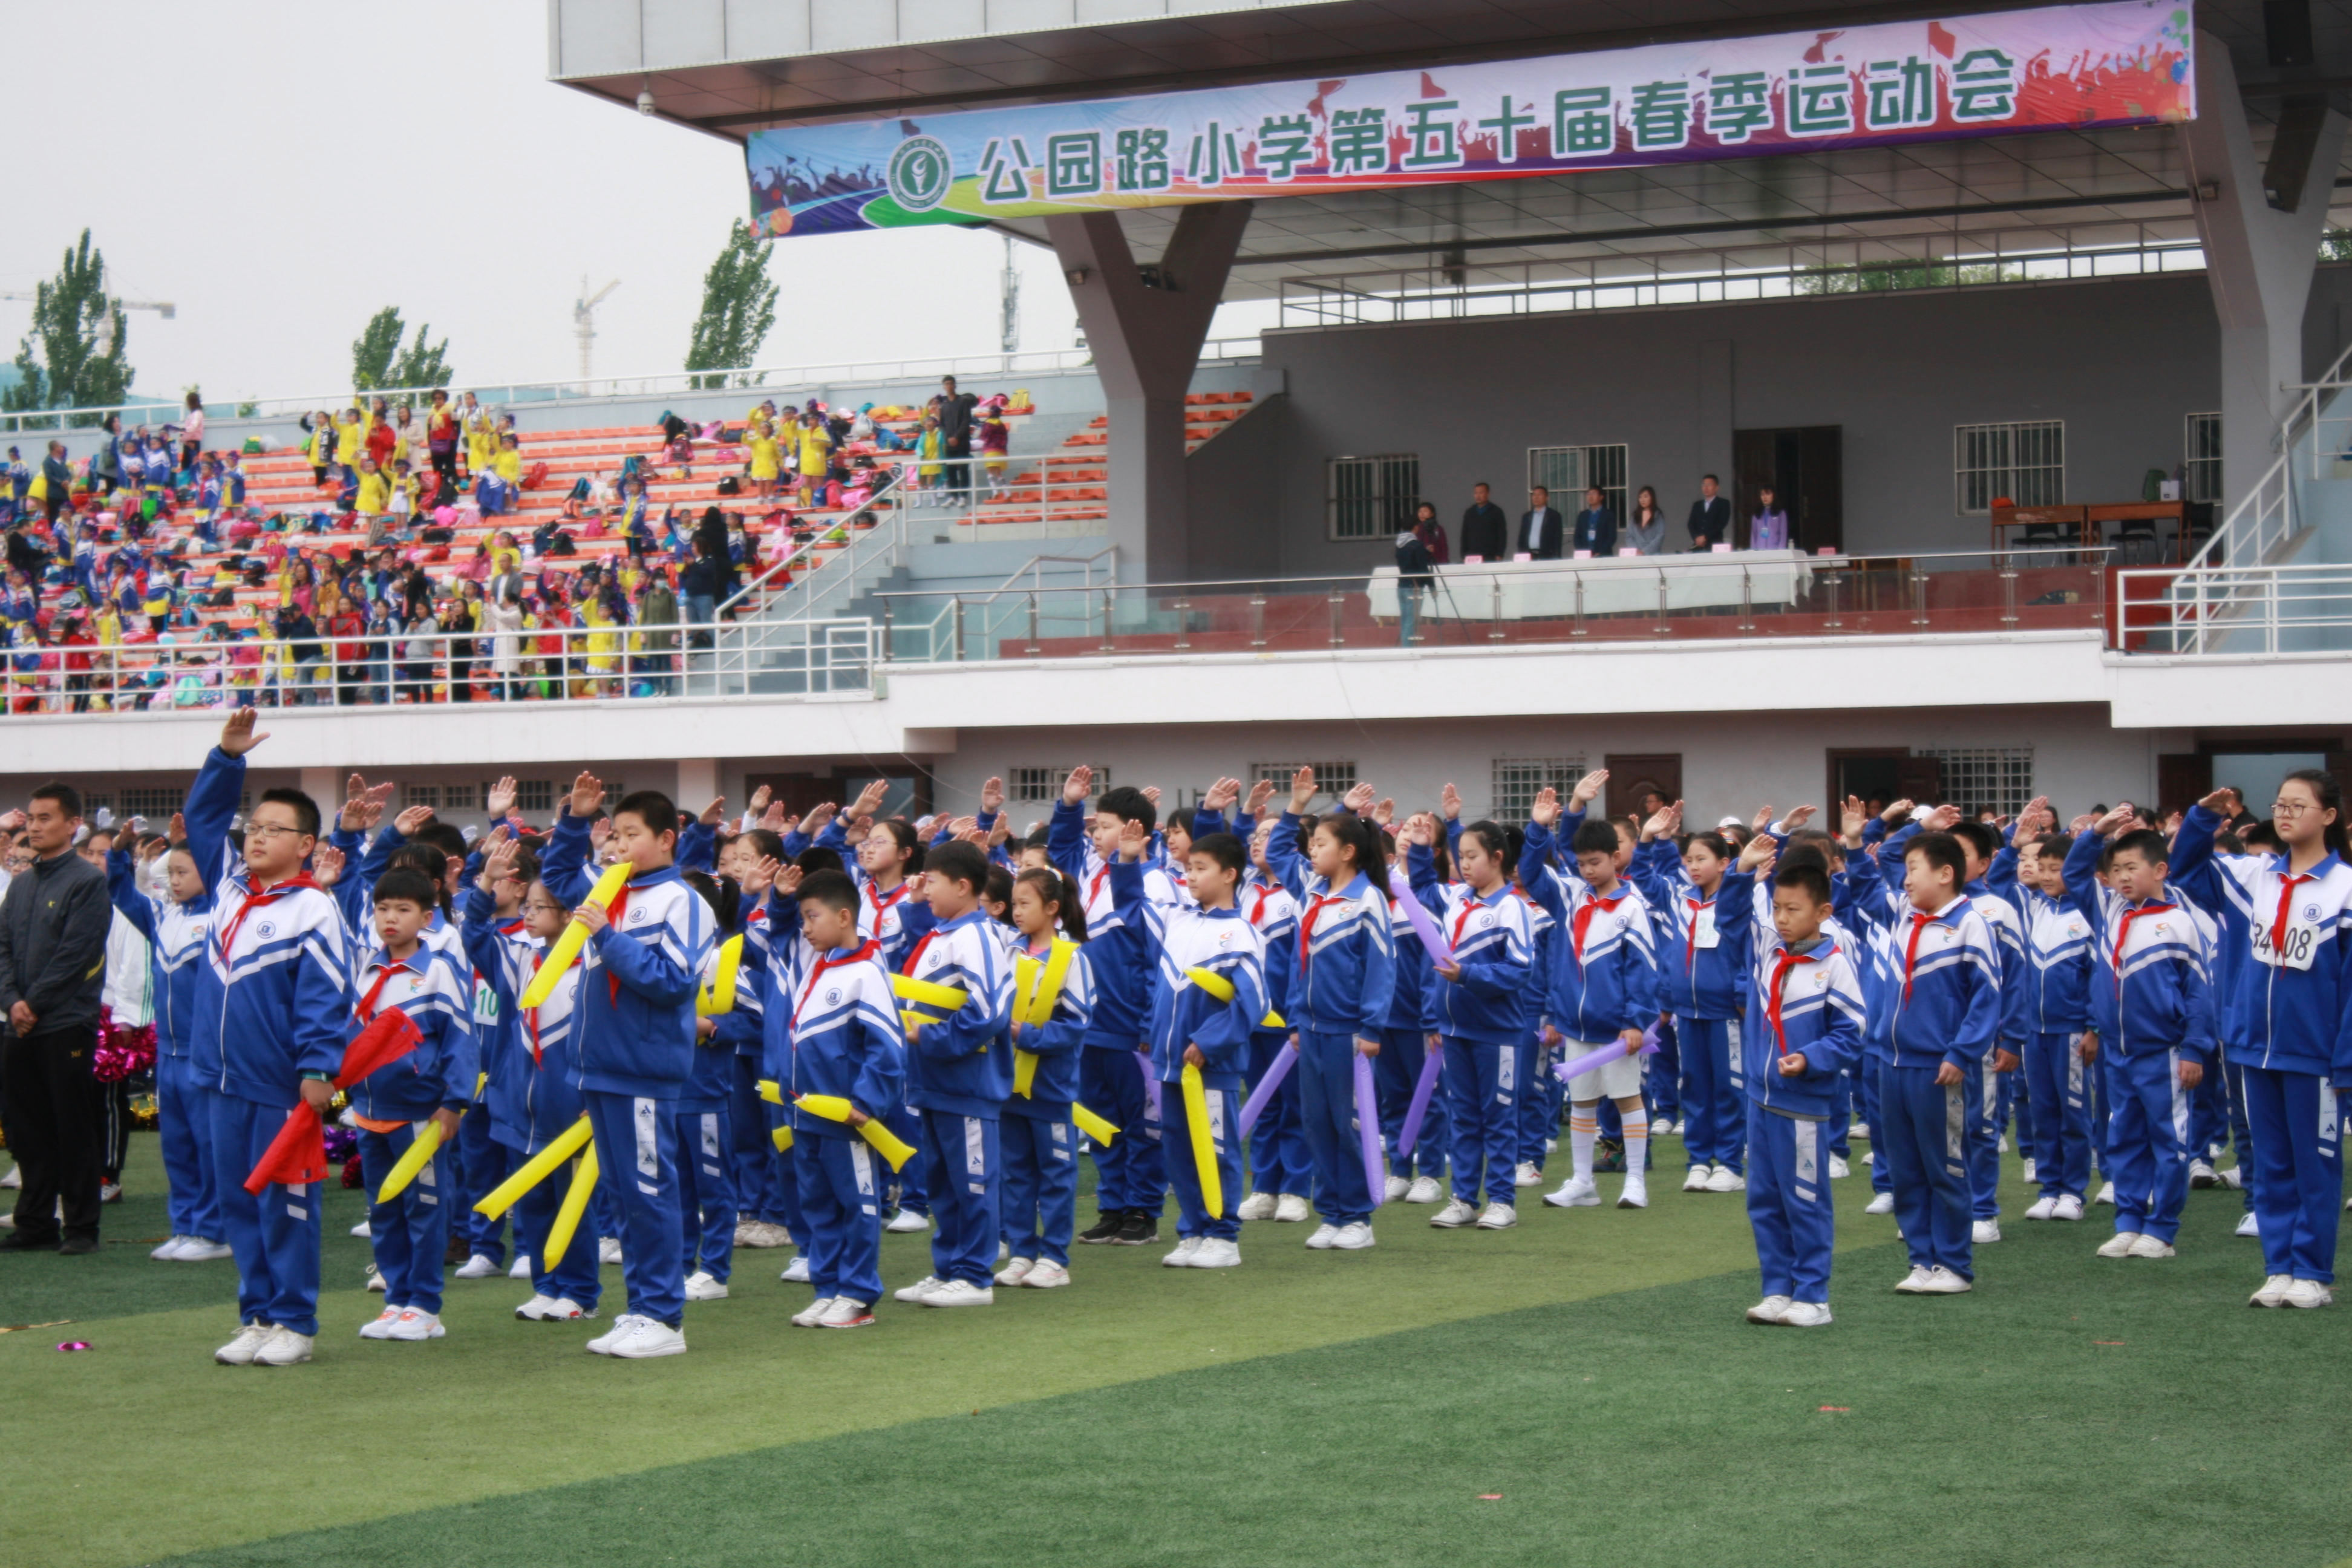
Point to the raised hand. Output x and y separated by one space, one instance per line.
1384 813
1941 819
961 826
1222 795
498 858
587 793
775 820
1449 802
1133 837
1002 832
1761 820
992 796
1302 790
2082 824
600 830
762 876
1799 817
177 833
1853 817
714 814
410 823
1899 812
1078 785
869 799
1260 793
237 736
1759 853
818 816
760 798
1151 793
1359 800
2115 821
1544 810
501 798
1660 825
2218 803
326 864
1588 788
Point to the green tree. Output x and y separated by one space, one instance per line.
378 360
74 356
739 306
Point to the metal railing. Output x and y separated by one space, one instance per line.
951 624
2251 611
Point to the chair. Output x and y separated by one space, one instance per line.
2136 545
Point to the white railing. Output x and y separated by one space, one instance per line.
2267 517
922 641
2251 611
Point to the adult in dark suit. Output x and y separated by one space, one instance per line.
1485 531
1540 527
1596 525
1710 517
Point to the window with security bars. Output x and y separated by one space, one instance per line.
1370 498
423 795
535 794
1045 783
1518 780
1333 779
1986 778
2023 462
156 805
461 798
93 804
1568 471
2201 457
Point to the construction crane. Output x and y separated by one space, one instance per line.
105 344
583 320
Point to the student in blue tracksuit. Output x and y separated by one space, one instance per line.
546 1100
764 1193
1040 1194
1208 997
1482 1005
1282 1170
1804 1028
2058 938
706 1135
1944 1009
2286 1017
1703 980
639 972
175 928
430 1085
1981 845
1406 1042
833 1029
1604 987
492 1140
1346 978
1130 1178
280 962
2152 1002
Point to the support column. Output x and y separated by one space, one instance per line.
1145 326
325 786
698 781
1715 414
2260 228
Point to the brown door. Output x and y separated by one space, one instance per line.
1631 778
1920 779
799 792
1817 516
1755 463
2182 779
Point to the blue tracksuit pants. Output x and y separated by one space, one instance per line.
573 1278
1840 1121
758 1172
2058 1083
1395 1073
840 1184
2241 1137
480 1165
1661 1077
1193 1215
1279 1161
2102 1100
410 1233
1881 1169
2151 1143
705 1191
275 1235
636 1155
184 1119
2298 1175
1540 1099
1482 1091
1128 1174
1986 1107
914 1176
965 1154
1789 1203
1040 1192
1715 1096
1923 1130
1326 1102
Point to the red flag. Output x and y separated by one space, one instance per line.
387 1039
1940 39
296 1155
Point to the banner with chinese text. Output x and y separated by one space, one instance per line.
2125 63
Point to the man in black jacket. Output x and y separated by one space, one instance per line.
954 409
1485 531
1710 517
1539 528
53 926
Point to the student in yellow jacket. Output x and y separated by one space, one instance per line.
816 446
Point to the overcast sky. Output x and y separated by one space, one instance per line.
280 171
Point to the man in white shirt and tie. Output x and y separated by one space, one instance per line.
1539 530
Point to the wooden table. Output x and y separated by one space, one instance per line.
2062 517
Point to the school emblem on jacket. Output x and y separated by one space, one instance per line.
637 914
2311 911
833 996
265 928
416 983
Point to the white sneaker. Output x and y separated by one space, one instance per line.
1394 1189
1456 1214
2003 1147
2234 1178
1425 1190
2068 1208
284 1347
1916 1283
2041 1208
1217 1253
2028 1172
478 1267
847 1312
1014 1272
1526 1175
1942 1281
1696 1182
765 1236
1726 1180
1183 1256
1984 1232
1769 1310
960 1293
2247 1228
519 1268
2307 1294
622 1326
380 1326
239 1351
2149 1246
537 1310
920 1289
1003 1253
2106 1195
1258 1205
1323 1237
1806 1315
1859 1129
907 1222
1293 1209
16 1178
1636 1192
1499 1216
647 1341
362 1230
2273 1291
1871 1159
375 1279
2202 1176
795 1272
701 1287
1576 1192
170 1251
2118 1245
198 1250
608 1250
413 1324
1046 1275
1552 1145
1838 1172
1353 1237
807 1316
1880 1203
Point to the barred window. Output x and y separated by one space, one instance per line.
534 794
1518 780
1986 778
462 797
2024 463
1038 784
1371 497
93 802
424 794
2202 456
1334 779
1567 471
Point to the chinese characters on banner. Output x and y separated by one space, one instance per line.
2125 63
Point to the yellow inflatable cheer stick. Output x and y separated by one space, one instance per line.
1039 982
772 1092
396 1180
536 1169
1024 1073
1093 1126
1217 985
575 936
783 1137
575 1204
719 996
932 1003
834 1108
1204 1147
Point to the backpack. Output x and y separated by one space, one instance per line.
535 477
729 485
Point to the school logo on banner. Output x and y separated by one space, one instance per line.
921 173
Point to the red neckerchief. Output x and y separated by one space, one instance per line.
1920 922
883 906
1315 903
510 929
2286 896
1257 905
916 956
1583 922
1462 921
1787 960
866 950
366 1009
255 901
2123 935
613 913
1095 888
